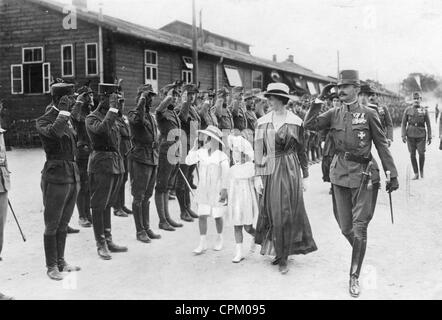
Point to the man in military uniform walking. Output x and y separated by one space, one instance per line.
60 180
143 159
106 167
383 113
414 133
354 128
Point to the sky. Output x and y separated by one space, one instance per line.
384 40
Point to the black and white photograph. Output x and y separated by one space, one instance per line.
233 151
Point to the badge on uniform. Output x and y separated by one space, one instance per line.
359 118
361 136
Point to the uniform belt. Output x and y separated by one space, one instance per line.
421 125
359 159
105 149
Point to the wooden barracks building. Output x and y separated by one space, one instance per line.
41 40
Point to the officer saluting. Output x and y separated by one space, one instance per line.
354 128
60 179
143 159
106 167
414 120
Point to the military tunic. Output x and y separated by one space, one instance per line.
414 121
384 116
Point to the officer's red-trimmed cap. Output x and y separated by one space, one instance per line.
349 77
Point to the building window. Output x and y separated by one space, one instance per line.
33 55
151 68
188 62
91 59
186 76
233 76
67 60
16 79
257 80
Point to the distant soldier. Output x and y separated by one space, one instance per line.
354 128
106 167
437 112
206 111
238 110
415 134
384 114
143 159
60 179
222 112
250 110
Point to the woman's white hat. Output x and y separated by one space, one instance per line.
279 89
238 143
213 132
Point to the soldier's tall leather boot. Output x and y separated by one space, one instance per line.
63 266
359 247
188 206
137 207
415 167
113 247
421 164
182 202
146 220
167 214
159 202
50 245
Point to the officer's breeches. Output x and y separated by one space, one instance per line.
104 189
167 173
3 213
354 213
419 145
142 179
59 202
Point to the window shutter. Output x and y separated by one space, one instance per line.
17 79
46 77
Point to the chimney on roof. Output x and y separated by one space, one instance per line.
291 58
274 58
80 4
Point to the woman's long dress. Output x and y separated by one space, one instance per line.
283 228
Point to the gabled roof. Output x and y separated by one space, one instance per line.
154 35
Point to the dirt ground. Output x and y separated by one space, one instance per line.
403 261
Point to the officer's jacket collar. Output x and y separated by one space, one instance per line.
290 119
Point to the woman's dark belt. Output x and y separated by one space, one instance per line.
358 159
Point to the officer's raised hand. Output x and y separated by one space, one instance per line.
326 91
113 101
83 98
65 104
392 185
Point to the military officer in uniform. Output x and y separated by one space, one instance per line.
238 110
143 159
414 121
250 111
81 110
354 128
169 126
106 167
384 114
60 180
207 112
190 124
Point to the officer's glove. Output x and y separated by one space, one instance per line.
429 141
392 185
404 139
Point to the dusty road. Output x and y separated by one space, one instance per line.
403 260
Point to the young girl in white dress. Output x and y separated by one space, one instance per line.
211 194
242 209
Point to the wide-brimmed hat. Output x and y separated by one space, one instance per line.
248 95
349 77
278 89
238 143
214 133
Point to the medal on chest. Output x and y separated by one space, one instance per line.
361 136
359 118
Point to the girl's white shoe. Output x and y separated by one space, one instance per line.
202 246
238 257
219 243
